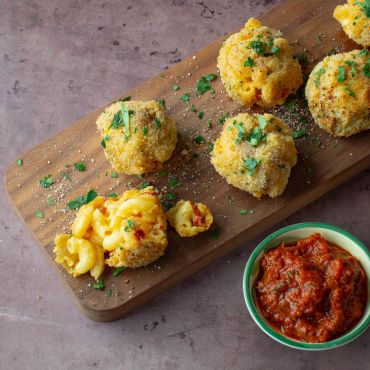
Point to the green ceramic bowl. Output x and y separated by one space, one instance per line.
291 234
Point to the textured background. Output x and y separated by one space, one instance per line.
62 59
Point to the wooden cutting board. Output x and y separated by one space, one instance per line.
323 163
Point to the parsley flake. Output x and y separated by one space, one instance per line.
112 195
258 47
349 91
244 211
255 136
39 214
262 121
203 84
114 175
251 165
199 140
200 115
157 122
46 182
130 226
145 131
173 182
185 97
144 185
66 176
365 7
175 87
171 196
118 271
215 234
20 162
79 166
296 134
223 118
83 199
51 202
98 285
318 75
341 74
162 103
249 62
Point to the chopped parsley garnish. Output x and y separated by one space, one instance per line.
175 87
363 53
349 91
318 38
105 139
145 131
98 285
366 70
353 66
173 182
122 119
210 147
200 115
157 122
203 84
331 52
185 97
83 199
192 108
251 165
318 75
255 136
262 121
241 132
66 176
249 62
51 202
118 271
127 98
162 103
171 196
112 195
303 120
244 211
341 74
223 118
215 234
258 47
80 166
199 140
39 214
365 7
130 226
20 162
144 185
114 175
109 293
46 182
290 103
209 123
275 50
296 134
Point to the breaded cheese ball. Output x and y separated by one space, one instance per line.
257 66
138 224
137 136
338 93
189 219
255 153
355 20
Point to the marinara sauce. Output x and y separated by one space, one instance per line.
313 290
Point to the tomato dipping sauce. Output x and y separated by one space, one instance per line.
312 290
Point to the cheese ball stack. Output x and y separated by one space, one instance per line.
255 153
338 93
257 66
355 20
137 136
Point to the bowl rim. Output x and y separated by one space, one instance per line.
344 339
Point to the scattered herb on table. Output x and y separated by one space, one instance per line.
209 123
244 211
203 84
171 196
162 103
173 182
51 202
215 234
109 292
175 87
114 175
185 97
118 271
39 214
144 185
112 195
66 176
223 118
199 140
200 115
80 166
20 162
46 182
296 134
193 108
83 199
98 285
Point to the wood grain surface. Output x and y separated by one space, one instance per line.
323 163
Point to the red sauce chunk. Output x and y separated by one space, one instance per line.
313 291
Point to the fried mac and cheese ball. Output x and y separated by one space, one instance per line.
138 225
137 136
189 219
130 228
355 20
338 93
255 153
257 66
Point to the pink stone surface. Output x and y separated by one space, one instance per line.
59 60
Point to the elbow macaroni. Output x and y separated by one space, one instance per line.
189 219
131 229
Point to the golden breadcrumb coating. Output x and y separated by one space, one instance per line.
255 153
338 93
137 136
257 66
355 20
189 219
